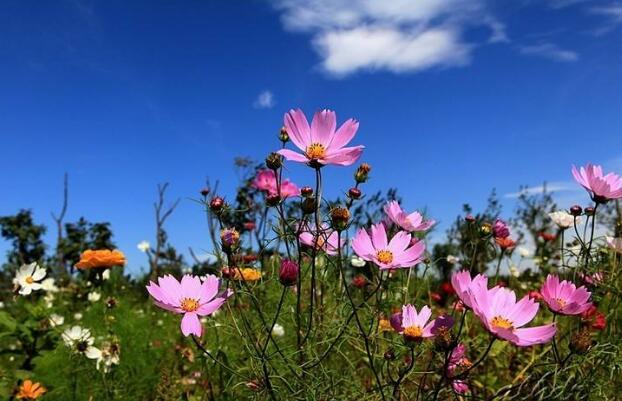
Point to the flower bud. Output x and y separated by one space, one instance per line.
389 355
589 211
274 161
306 191
230 238
288 273
576 210
362 173
340 217
205 192
443 340
359 281
485 229
354 193
283 135
249 225
308 205
216 204
469 218
273 199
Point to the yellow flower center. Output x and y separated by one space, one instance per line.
189 304
385 256
501 322
315 151
30 280
413 332
561 302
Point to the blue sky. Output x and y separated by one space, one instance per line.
453 98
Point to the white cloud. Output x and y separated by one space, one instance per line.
396 35
549 187
370 48
265 100
613 11
550 51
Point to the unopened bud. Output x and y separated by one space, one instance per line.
205 192
589 211
288 273
283 135
273 199
485 229
362 173
216 204
576 210
274 161
581 342
230 238
340 217
306 191
308 205
354 193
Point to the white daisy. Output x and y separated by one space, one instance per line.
143 246
356 261
49 285
28 278
107 356
94 296
80 341
56 320
278 330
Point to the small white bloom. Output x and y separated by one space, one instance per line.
49 299
452 259
143 246
563 219
278 330
77 316
107 356
614 243
49 285
28 278
94 296
514 271
186 270
106 274
524 252
159 322
357 262
1 305
56 320
80 341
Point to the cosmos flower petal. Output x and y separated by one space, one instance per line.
190 324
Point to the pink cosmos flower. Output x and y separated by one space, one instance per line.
321 143
328 241
601 187
504 317
462 282
458 359
265 181
500 229
399 252
191 297
564 297
415 326
409 222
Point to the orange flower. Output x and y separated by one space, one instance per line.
100 259
505 243
30 390
384 325
246 274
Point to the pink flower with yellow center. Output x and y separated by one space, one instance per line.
328 240
190 297
397 253
409 222
321 143
265 181
415 326
504 317
564 297
461 282
601 187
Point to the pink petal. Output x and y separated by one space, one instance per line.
323 127
379 236
190 324
534 335
362 245
344 134
298 128
293 156
343 156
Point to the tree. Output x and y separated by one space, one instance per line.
25 236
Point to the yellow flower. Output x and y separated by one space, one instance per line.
246 274
384 325
100 259
30 391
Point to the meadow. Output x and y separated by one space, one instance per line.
310 298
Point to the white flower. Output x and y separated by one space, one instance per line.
80 341
107 356
614 243
49 285
28 277
514 271
357 262
1 305
49 299
563 219
524 252
77 316
451 259
278 330
56 320
143 246
94 296
106 274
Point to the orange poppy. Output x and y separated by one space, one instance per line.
30 391
100 259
